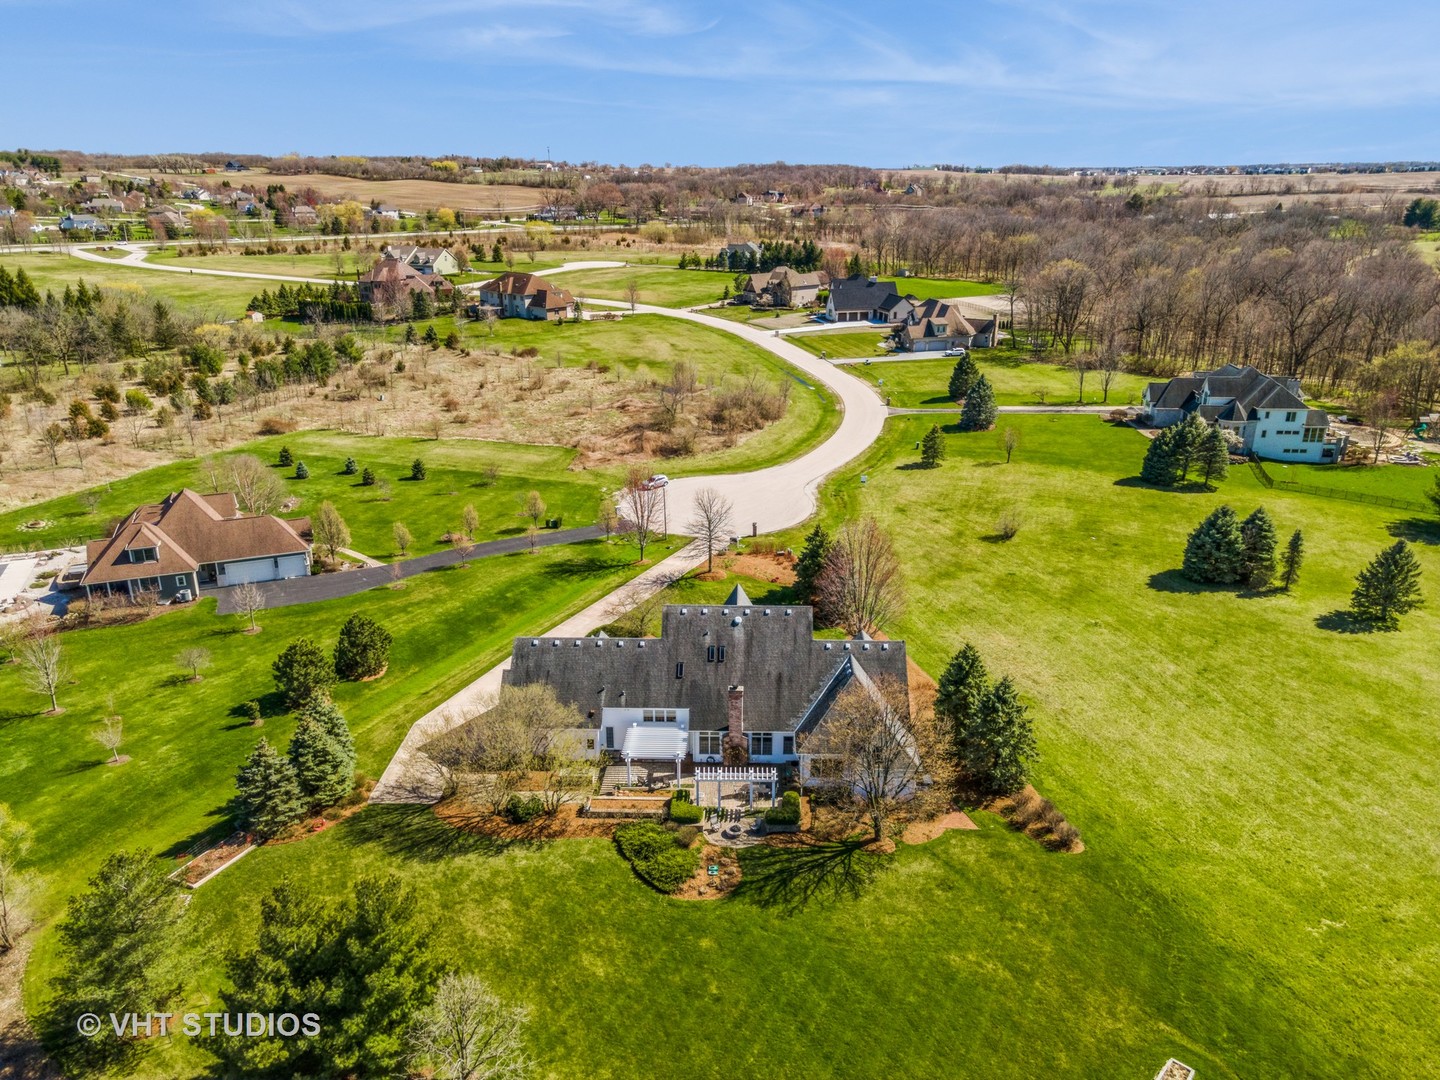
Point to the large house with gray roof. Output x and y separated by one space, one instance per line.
867 299
751 676
1266 412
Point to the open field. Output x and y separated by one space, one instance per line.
662 286
315 265
214 298
186 740
429 508
406 194
1017 381
1253 840
944 288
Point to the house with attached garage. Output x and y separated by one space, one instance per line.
867 299
175 548
1265 412
937 325
428 260
83 223
736 684
783 287
526 296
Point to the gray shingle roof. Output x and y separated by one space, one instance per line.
861 294
788 675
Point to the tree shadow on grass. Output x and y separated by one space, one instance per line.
1190 487
582 566
790 877
1415 530
1173 581
413 831
221 826
942 400
1341 621
912 466
271 704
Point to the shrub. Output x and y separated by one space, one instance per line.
1065 837
687 835
252 713
367 478
351 467
787 813
363 649
685 813
661 859
302 472
522 809
273 425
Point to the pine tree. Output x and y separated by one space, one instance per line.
322 754
268 798
367 478
417 469
1189 438
432 336
351 467
1290 561
979 411
302 671
1388 588
963 377
1160 466
363 649
962 688
810 563
302 471
932 448
286 458
1215 551
1213 456
1003 742
1257 532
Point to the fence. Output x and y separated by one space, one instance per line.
1337 493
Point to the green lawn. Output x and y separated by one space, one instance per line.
1253 791
186 741
430 508
663 286
1017 381
316 265
214 298
843 343
944 288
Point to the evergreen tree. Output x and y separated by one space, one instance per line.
963 377
366 965
302 471
421 306
322 754
1388 588
496 255
1160 466
1001 743
1213 456
932 448
1215 551
302 671
962 688
367 478
1290 561
409 334
978 413
286 458
116 944
1189 437
24 292
417 470
1257 532
810 563
351 467
432 336
267 793
363 649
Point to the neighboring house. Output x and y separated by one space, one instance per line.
304 216
774 196
170 219
426 260
749 248
104 204
83 223
744 198
1267 413
189 542
756 674
196 194
384 210
783 287
391 280
526 296
234 166
862 299
936 325
914 189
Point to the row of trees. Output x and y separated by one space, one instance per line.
1179 448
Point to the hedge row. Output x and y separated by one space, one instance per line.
787 813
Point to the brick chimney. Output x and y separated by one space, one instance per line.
736 747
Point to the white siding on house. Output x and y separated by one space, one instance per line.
614 722
269 568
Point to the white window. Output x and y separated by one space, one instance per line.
179 579
707 743
762 744
1289 417
1314 434
659 716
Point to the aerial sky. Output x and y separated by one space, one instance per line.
979 82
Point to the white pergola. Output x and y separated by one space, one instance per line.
749 775
653 742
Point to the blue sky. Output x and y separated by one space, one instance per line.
986 82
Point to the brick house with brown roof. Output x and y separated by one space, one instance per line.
191 541
526 296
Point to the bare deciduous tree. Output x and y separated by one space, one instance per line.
1009 441
711 523
193 658
468 1033
871 744
249 600
403 538
257 489
606 518
470 520
329 530
17 888
110 736
860 586
641 506
1379 412
43 667
1111 365
632 291
532 506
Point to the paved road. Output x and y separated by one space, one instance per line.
307 590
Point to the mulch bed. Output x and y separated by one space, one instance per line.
778 569
565 825
704 887
214 858
922 832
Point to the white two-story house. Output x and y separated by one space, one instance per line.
1267 413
